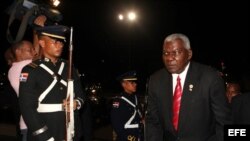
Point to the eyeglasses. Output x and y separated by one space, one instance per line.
132 82
174 53
56 41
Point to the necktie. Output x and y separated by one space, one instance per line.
177 102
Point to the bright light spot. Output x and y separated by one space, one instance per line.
56 2
120 17
131 16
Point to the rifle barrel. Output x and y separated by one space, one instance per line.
70 53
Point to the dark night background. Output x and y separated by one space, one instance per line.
105 47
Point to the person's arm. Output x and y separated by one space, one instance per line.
118 118
153 128
28 99
80 95
219 105
39 21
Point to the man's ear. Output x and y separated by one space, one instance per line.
41 43
123 84
18 53
190 54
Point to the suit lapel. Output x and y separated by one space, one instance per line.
189 91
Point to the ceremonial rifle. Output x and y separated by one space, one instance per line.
70 131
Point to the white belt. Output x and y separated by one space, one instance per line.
44 94
128 123
46 108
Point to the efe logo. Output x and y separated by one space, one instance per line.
237 132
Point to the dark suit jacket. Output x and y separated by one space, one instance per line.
203 112
240 108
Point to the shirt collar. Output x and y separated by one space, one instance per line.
182 76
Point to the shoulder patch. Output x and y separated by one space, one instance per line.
116 104
23 77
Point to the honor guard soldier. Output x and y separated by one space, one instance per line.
126 114
43 88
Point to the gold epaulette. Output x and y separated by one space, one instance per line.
33 65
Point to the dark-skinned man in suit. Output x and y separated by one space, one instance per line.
202 110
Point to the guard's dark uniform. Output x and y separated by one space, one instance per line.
126 114
43 86
126 118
